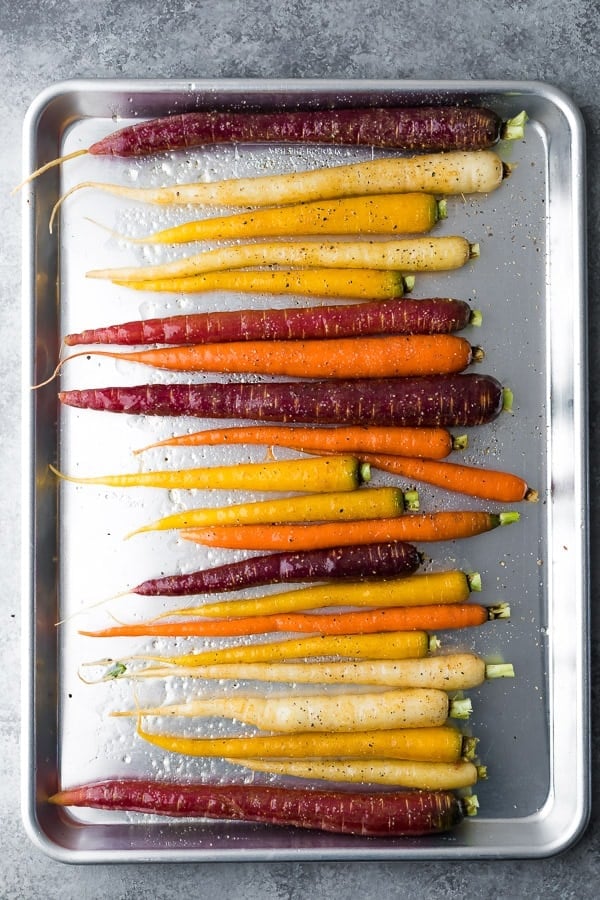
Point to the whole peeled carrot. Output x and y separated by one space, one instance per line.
416 527
379 356
366 813
487 484
415 618
446 401
432 443
396 316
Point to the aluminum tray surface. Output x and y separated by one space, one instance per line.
529 283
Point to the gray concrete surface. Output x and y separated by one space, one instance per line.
45 41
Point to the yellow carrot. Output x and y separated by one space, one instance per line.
408 255
420 589
328 473
413 213
335 506
401 773
387 645
441 743
348 284
407 708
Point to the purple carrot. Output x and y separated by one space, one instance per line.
384 560
435 315
444 400
425 128
408 128
366 813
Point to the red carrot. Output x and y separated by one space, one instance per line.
394 316
437 526
363 561
405 618
381 814
487 484
445 401
379 356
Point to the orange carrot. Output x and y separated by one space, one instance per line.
432 443
387 356
438 526
406 618
487 484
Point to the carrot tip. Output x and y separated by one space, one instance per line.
531 495
45 168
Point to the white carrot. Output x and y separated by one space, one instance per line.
452 672
460 172
406 255
401 773
409 708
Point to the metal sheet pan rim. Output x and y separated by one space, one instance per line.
579 781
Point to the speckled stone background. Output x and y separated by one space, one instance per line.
45 41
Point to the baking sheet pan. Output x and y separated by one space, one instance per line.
530 285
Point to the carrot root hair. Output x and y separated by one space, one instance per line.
46 167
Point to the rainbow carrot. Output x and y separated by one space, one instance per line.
438 526
476 481
383 356
417 618
431 443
